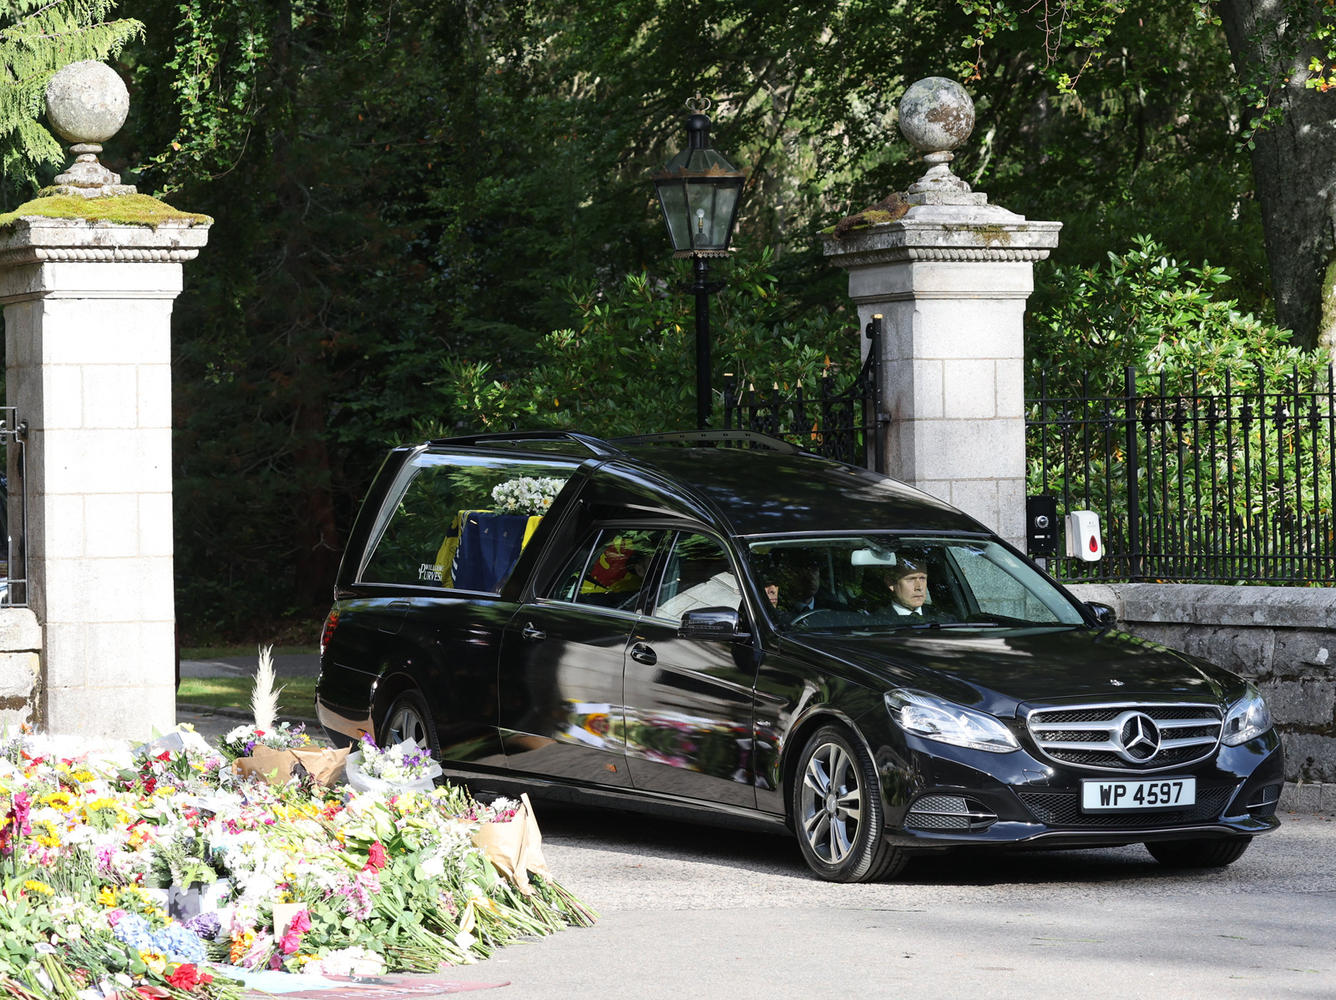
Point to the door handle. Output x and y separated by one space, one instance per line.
642 653
531 633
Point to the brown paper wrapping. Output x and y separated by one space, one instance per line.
516 848
324 764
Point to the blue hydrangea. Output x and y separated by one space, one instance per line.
174 941
180 944
133 929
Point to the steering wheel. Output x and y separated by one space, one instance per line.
798 619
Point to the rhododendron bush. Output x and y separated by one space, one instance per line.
158 871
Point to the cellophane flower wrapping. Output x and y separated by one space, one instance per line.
299 877
386 770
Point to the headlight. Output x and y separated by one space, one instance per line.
947 722
1248 718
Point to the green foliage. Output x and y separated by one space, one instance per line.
629 366
37 38
1198 479
1081 27
1146 310
412 197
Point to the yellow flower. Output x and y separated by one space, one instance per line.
83 775
33 885
60 801
155 960
44 833
106 896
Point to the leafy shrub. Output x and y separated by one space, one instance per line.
1145 310
629 365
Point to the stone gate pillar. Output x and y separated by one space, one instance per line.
87 301
950 275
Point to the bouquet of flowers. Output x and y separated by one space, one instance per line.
387 769
526 495
242 740
318 881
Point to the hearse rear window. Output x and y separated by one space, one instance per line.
461 521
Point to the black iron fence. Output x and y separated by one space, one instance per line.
1231 484
838 424
13 510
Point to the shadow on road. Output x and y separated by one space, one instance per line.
624 832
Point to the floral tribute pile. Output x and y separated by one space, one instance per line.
160 871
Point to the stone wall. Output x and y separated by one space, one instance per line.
1281 638
20 668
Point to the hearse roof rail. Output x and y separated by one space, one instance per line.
702 438
595 446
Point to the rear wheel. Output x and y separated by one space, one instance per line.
1198 853
837 810
408 718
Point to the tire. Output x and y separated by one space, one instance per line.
1198 853
837 811
409 718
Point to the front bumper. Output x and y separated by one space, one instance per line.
936 796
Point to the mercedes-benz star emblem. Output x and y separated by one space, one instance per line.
1139 737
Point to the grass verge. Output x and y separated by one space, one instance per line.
227 652
297 697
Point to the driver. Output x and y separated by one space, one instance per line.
908 583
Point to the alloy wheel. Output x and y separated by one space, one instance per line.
405 723
831 803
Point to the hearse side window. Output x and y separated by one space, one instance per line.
462 521
608 569
697 575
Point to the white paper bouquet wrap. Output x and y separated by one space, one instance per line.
402 767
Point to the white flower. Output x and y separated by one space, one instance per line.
526 495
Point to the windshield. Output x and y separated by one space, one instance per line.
885 583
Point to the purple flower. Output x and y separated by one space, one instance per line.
205 925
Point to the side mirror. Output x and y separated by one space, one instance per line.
719 624
1104 615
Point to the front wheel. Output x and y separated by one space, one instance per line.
1198 853
409 718
837 810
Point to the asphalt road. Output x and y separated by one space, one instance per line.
689 912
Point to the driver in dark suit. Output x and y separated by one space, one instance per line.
908 583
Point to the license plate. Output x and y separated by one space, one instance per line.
1137 796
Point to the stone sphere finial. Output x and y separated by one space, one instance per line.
86 104
936 117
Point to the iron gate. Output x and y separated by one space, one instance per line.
846 425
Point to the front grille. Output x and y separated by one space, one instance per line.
1063 808
1126 737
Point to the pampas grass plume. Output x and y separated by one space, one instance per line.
264 697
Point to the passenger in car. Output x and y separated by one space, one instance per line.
796 584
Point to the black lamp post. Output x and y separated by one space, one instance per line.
699 192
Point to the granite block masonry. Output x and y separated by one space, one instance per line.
88 302
950 275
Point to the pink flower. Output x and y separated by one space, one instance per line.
298 926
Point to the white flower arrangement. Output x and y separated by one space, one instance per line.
400 764
526 495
